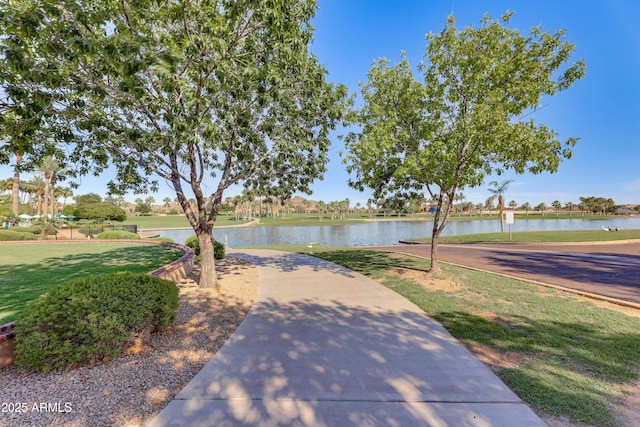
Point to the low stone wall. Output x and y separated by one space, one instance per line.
6 331
179 269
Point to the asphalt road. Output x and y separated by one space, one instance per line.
609 270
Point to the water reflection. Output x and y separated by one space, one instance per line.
390 232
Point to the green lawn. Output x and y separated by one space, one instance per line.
540 236
29 270
567 356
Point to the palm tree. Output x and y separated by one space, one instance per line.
15 188
48 167
56 174
541 207
498 192
459 198
556 205
65 192
167 204
320 206
526 206
570 206
38 185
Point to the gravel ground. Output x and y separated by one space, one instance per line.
132 388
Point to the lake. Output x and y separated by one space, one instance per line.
389 232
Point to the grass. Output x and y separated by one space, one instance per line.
567 356
29 270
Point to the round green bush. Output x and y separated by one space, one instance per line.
193 243
6 235
91 319
117 234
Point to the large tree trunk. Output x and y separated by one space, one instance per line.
208 276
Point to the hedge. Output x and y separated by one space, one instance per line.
193 243
91 319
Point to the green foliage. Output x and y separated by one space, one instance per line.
68 210
85 199
91 319
117 234
6 235
463 119
37 229
218 248
143 206
233 98
100 212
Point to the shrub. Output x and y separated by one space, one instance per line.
6 235
91 319
37 229
193 243
90 230
100 212
117 234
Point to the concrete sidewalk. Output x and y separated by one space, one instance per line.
324 346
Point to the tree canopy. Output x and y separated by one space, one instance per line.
465 119
200 94
99 212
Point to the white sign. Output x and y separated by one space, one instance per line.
509 217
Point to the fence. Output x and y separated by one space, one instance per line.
92 230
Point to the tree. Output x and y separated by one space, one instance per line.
498 193
203 95
541 207
65 192
142 206
556 205
87 198
100 212
570 206
47 169
320 206
527 207
37 186
167 204
465 119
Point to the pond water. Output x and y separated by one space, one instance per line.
390 232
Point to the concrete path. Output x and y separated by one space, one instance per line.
324 346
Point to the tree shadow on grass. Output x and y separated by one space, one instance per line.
564 368
24 282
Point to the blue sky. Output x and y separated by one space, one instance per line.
603 109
